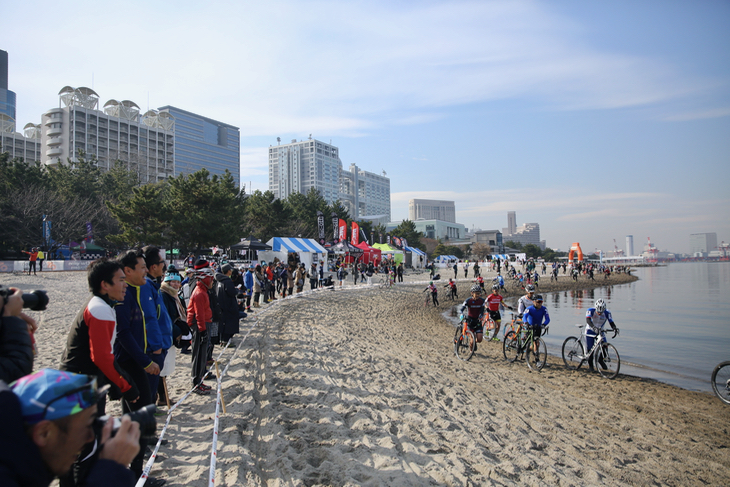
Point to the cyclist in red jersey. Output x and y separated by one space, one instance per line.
494 302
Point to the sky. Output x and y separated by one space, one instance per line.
596 120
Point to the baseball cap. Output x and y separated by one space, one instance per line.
55 394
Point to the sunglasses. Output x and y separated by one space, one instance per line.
88 394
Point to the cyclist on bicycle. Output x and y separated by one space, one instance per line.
451 285
596 318
480 280
526 301
536 317
475 306
434 293
495 301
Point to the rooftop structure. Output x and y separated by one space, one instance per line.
420 209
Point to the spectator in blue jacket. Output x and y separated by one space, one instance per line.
155 311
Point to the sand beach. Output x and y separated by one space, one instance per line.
360 386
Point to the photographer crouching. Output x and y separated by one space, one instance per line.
47 418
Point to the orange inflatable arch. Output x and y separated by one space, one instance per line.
576 251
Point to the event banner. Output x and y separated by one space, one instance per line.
320 226
355 233
336 235
343 230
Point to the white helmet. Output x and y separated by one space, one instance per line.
600 306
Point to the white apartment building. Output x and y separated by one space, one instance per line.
298 166
365 194
432 210
145 143
26 146
701 244
301 165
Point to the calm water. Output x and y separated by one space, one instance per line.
674 321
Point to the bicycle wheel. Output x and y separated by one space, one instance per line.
572 353
536 361
488 329
511 347
607 361
721 381
465 344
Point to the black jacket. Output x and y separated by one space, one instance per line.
16 349
226 294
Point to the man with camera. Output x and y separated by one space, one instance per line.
47 418
16 331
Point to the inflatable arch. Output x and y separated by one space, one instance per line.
575 251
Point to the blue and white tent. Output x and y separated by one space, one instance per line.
308 250
415 254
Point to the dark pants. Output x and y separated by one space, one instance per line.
31 267
200 356
313 284
40 265
154 380
139 376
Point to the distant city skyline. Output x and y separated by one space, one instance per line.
596 119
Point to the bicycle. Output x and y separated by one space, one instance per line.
386 282
465 342
517 344
604 355
489 325
515 325
721 381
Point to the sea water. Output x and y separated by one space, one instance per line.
674 321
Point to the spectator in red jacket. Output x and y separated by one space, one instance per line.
200 316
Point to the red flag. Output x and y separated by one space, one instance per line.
355 233
343 229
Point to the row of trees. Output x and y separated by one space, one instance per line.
186 212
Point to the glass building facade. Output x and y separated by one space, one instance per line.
201 142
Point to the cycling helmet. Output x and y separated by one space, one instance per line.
476 289
496 286
600 306
530 288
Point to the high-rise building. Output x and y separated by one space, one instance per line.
432 210
7 97
27 145
299 166
144 143
201 142
701 244
511 222
629 245
365 194
529 233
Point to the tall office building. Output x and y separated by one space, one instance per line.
144 143
299 166
511 222
365 194
201 142
7 97
629 245
701 244
432 210
27 145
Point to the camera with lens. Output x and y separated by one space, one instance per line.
35 301
144 416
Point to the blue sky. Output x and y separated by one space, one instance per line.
594 119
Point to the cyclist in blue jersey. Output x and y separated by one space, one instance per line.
536 317
596 318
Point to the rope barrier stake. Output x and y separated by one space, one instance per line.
218 374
